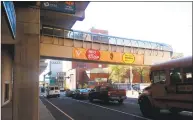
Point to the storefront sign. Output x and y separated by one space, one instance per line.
60 6
106 56
128 58
92 54
10 12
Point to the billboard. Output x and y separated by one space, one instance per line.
59 6
107 56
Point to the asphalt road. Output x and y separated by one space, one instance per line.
65 108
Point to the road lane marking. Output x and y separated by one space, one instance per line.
113 109
60 110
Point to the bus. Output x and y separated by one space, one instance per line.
171 88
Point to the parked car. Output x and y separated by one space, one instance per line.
81 94
69 93
52 91
62 89
107 93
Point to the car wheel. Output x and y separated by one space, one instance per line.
106 101
90 99
73 96
120 101
58 95
147 109
174 111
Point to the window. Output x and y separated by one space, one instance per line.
6 92
175 76
51 88
188 75
56 88
162 76
158 76
58 32
97 89
95 38
103 89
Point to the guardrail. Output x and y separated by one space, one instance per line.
105 39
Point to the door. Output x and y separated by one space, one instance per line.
159 84
96 92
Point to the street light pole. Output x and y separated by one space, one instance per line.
131 78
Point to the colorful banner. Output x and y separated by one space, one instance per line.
106 56
79 53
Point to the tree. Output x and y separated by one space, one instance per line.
85 85
116 73
143 71
79 86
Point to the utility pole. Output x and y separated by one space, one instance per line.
131 78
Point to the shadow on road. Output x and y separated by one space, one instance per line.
170 116
110 103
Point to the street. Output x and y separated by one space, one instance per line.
65 108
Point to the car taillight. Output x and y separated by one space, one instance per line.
109 94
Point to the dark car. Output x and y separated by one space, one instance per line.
107 93
69 93
81 94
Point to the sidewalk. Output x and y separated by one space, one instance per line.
6 112
44 114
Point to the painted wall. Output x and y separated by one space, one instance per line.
6 75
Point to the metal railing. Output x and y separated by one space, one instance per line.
105 39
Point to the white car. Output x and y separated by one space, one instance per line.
52 91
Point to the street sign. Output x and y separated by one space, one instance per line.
59 6
47 77
61 74
10 12
52 82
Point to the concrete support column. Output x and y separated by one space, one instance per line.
26 65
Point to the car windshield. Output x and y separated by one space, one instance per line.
83 90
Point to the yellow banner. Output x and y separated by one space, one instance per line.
106 56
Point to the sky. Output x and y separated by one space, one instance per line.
165 22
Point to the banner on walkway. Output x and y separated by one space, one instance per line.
107 56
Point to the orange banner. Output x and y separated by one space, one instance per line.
106 56
79 53
111 56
